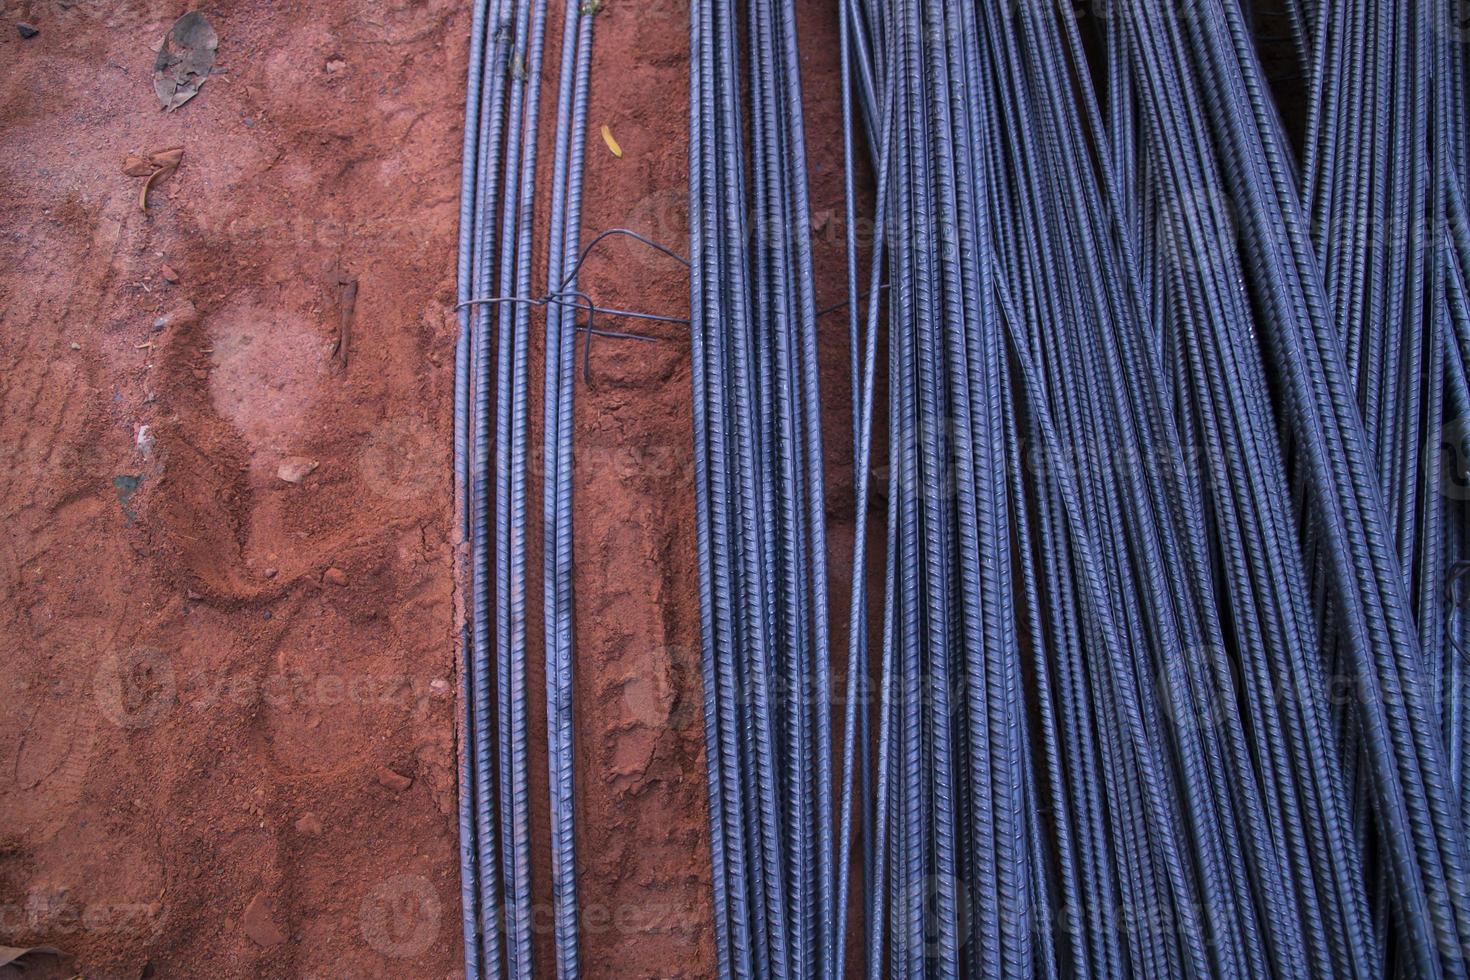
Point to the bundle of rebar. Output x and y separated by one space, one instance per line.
1169 679
760 499
1153 661
493 432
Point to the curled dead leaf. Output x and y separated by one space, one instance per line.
153 166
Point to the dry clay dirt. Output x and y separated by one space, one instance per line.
228 741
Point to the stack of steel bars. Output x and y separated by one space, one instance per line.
492 445
762 538
1169 678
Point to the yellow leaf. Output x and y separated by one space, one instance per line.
612 144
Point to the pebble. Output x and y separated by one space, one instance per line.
295 469
27 31
270 573
168 273
394 780
183 315
259 925
335 576
309 824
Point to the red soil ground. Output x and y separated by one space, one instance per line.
228 744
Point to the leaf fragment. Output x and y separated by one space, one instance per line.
612 144
14 955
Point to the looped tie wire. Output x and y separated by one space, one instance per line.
564 295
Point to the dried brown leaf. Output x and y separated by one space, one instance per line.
184 60
158 164
14 954
167 159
